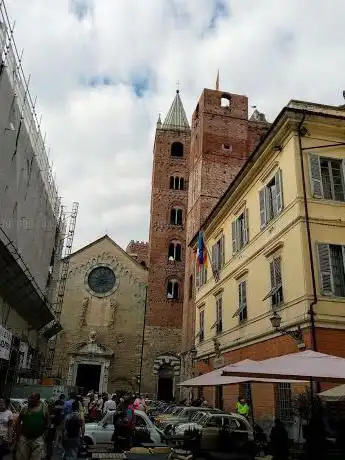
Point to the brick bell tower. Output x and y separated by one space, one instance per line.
167 252
222 137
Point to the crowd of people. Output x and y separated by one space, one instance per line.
40 426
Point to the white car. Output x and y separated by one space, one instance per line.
102 432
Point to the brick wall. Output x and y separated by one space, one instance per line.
263 394
164 316
221 140
139 251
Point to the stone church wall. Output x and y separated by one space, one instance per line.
116 319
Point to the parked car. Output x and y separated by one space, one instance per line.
184 415
170 427
101 432
211 425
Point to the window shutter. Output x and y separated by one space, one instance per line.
263 213
214 258
222 251
273 278
197 276
279 190
315 176
277 271
181 183
326 276
234 236
172 182
244 294
245 226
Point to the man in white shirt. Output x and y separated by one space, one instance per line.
110 404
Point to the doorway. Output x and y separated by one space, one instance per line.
165 390
88 377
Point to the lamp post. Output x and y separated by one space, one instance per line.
296 334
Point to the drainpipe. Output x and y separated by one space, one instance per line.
310 245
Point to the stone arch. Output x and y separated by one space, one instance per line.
167 359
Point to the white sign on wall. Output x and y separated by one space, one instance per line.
5 343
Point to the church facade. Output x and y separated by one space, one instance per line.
100 347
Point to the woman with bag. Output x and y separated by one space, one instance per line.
6 419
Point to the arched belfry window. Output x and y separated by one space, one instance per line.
175 251
176 216
177 149
173 290
176 183
225 101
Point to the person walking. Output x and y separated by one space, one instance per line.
124 425
59 420
73 432
30 427
110 405
6 422
279 441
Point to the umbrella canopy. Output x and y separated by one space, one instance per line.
334 394
216 378
295 366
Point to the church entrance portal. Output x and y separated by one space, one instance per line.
165 390
88 377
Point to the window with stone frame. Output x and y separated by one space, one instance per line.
200 275
271 199
173 289
175 252
201 325
240 232
276 292
218 255
241 311
218 324
176 183
176 216
327 178
332 269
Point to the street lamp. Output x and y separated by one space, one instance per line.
193 354
296 334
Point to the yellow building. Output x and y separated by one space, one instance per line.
277 243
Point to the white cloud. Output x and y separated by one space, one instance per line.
102 137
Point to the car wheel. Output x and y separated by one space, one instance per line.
88 441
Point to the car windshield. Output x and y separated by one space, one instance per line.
177 411
204 419
197 416
169 410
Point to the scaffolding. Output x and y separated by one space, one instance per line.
11 63
53 328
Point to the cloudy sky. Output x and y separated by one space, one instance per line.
104 69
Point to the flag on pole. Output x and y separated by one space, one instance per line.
201 251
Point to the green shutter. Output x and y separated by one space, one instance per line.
263 213
279 190
315 176
325 266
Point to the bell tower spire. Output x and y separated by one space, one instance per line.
176 117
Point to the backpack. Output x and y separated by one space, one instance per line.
130 418
73 426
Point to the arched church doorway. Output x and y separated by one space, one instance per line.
165 390
167 368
